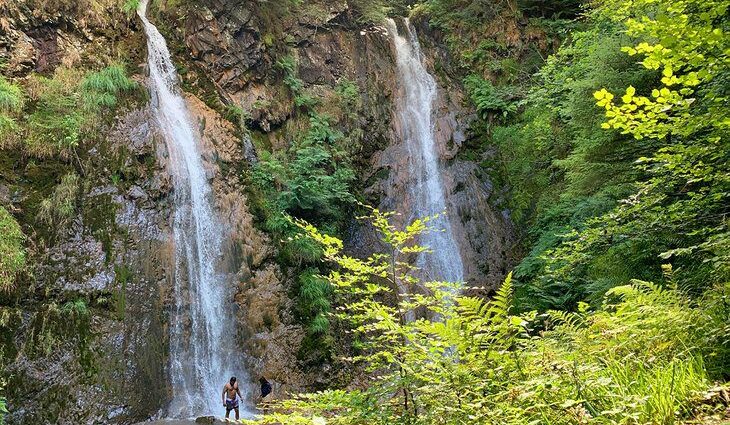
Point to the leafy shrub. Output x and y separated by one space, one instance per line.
489 99
349 96
302 99
311 182
314 300
288 65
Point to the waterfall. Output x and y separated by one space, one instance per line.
202 325
414 113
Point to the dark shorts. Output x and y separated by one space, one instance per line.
231 404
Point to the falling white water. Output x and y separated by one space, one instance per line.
202 326
414 109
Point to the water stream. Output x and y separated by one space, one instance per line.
414 113
202 325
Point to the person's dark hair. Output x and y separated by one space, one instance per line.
263 380
233 379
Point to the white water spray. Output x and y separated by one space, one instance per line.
414 111
202 326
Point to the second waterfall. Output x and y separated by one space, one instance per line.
417 91
202 325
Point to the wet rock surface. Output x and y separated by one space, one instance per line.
268 336
102 337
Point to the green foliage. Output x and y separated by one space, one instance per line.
3 407
235 114
288 65
596 203
311 182
370 11
54 126
438 357
302 99
489 99
75 309
11 103
550 8
100 89
66 324
11 96
64 110
130 6
674 211
349 96
314 300
12 252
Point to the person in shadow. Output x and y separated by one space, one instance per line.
266 392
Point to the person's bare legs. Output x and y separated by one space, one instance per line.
236 409
228 412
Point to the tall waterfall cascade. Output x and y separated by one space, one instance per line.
414 113
202 325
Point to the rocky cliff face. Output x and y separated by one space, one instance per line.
87 343
86 328
268 335
226 39
93 327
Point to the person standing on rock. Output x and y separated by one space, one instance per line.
231 395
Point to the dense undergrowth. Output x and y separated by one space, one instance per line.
648 354
607 193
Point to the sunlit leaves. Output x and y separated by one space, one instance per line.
692 51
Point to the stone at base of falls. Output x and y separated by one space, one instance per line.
203 420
